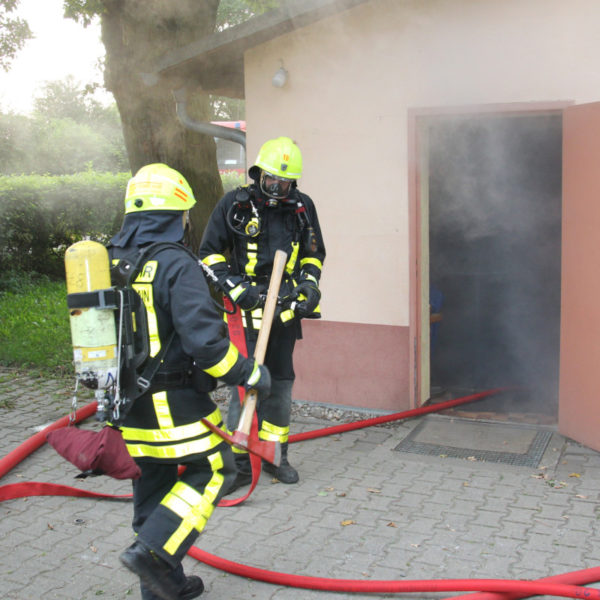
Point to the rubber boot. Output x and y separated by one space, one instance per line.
155 574
244 473
284 472
192 588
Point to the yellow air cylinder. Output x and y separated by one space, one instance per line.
93 331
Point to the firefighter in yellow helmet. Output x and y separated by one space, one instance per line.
248 225
163 428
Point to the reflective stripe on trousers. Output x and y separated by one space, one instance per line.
273 412
170 511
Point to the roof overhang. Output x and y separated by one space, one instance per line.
216 63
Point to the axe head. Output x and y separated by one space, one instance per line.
267 450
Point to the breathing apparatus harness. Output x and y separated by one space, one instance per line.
136 368
244 218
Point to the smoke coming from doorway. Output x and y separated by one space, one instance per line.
495 206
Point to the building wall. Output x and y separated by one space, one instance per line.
352 80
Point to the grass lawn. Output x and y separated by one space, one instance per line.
34 325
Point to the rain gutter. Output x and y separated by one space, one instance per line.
205 127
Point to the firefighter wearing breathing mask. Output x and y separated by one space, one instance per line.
248 225
163 428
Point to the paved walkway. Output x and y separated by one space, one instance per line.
362 510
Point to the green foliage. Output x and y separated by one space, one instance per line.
14 130
83 11
69 132
234 12
231 180
14 32
68 98
40 217
227 109
63 146
34 329
230 12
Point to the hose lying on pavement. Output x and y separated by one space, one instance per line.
565 585
407 414
519 588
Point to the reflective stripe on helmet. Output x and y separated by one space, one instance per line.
158 187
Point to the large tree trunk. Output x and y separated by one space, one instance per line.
135 34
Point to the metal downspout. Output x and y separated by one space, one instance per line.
207 128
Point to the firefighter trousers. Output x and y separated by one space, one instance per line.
171 510
273 411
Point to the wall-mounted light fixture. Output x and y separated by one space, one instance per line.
280 77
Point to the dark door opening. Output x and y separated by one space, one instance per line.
495 256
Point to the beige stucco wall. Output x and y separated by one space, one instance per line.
352 80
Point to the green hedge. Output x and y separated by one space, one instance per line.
41 216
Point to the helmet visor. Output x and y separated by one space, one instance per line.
275 186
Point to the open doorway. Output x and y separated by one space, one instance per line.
494 189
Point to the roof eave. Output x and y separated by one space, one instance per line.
216 63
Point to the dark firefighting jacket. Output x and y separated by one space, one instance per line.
164 422
243 233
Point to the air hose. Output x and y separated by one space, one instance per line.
566 585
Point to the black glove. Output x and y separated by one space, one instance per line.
308 295
248 373
259 378
249 298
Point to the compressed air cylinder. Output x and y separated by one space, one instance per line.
93 331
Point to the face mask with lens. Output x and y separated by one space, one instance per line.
274 186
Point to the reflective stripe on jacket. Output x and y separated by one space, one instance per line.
252 257
165 424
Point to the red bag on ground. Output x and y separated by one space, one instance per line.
101 452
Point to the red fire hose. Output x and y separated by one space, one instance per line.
566 585
517 588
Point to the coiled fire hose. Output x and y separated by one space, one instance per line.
566 585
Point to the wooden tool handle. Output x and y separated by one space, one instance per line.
263 336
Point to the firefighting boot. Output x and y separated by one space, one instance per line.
284 472
192 588
154 572
244 473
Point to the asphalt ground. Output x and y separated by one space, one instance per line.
434 497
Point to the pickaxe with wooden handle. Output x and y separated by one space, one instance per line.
268 450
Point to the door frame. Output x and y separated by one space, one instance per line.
418 213
578 409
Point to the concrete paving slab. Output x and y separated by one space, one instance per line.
361 511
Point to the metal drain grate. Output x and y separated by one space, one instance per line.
530 458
